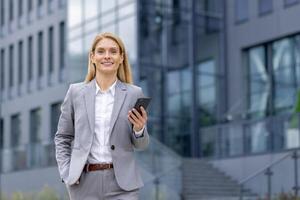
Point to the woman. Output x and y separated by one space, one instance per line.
98 128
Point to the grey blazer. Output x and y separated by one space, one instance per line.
75 134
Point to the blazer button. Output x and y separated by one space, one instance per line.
112 147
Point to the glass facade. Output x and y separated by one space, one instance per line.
85 22
168 65
273 77
176 50
273 81
182 71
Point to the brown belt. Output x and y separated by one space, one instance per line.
94 167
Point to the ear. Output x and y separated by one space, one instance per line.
92 57
122 58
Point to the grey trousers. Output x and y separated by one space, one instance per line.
100 185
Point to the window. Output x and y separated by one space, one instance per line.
20 8
258 137
15 128
39 10
35 126
29 5
273 77
40 3
179 103
283 73
30 59
1 134
176 12
55 113
50 6
50 51
61 47
40 54
2 68
11 65
2 12
265 6
259 82
241 10
207 90
290 2
20 63
11 10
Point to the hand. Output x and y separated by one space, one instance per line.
137 119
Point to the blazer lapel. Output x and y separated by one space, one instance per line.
120 94
89 98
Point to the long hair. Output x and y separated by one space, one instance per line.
124 70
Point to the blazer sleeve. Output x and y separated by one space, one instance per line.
65 135
140 142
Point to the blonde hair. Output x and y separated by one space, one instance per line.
124 70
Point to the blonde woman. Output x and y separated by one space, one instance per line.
99 129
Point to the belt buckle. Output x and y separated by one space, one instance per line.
87 167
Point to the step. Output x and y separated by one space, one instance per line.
201 180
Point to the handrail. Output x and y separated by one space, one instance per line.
266 167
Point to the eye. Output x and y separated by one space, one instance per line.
114 51
100 51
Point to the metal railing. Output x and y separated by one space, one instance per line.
163 172
268 172
160 166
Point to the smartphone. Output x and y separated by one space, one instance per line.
142 102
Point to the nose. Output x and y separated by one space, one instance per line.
107 54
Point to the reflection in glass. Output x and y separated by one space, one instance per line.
259 87
284 79
291 132
208 141
231 140
206 87
258 137
297 58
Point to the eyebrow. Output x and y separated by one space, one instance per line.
107 48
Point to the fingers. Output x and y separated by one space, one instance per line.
137 119
144 113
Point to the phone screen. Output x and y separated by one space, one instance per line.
144 102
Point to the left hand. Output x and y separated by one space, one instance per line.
137 119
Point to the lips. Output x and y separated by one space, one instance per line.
107 63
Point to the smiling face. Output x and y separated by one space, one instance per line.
107 56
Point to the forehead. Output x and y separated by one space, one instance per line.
107 43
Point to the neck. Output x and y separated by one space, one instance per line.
104 81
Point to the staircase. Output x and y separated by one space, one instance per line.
202 181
